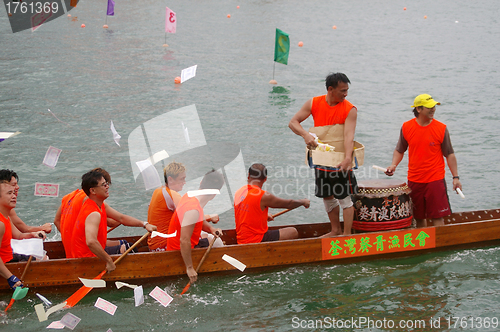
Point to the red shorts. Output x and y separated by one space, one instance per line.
430 200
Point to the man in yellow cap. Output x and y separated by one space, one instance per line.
427 141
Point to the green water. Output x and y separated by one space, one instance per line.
90 76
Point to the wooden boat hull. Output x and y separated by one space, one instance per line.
467 229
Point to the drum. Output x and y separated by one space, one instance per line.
382 204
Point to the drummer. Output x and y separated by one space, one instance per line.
427 141
334 186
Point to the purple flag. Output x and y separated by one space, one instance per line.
111 8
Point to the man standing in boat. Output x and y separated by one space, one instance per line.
251 205
90 230
188 220
8 231
427 141
334 185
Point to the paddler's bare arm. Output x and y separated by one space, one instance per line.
396 159
187 227
126 220
296 127
269 200
349 130
91 230
22 227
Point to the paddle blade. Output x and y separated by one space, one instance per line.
80 294
12 300
20 293
186 288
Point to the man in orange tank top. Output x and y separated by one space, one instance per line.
188 220
90 230
251 205
334 186
8 200
11 177
427 141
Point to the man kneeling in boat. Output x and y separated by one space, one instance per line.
188 220
8 231
90 232
251 205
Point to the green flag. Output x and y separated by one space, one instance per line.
282 47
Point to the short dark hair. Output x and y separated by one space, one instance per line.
212 180
257 171
7 175
415 112
333 80
91 179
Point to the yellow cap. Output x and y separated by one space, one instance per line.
425 100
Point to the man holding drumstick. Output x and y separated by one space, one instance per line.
427 141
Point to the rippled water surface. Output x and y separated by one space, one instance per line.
90 76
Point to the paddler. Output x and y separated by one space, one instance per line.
334 184
188 220
11 177
68 211
427 141
164 201
8 231
251 206
90 230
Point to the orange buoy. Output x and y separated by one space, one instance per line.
425 16
237 7
165 45
105 26
334 27
83 25
301 44
228 15
69 15
273 82
177 80
404 8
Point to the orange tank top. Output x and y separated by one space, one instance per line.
251 220
326 115
160 213
186 204
5 248
79 244
70 208
425 157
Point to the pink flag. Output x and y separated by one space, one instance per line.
170 21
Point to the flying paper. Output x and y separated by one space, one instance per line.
170 21
186 134
106 306
51 156
56 325
43 315
46 189
188 73
193 193
166 236
149 174
93 283
116 136
120 284
58 118
4 135
161 296
158 156
70 321
234 262
44 299
138 296
28 247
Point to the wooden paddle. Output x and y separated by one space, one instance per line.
280 213
84 290
21 292
200 263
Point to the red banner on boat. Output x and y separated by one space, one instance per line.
378 243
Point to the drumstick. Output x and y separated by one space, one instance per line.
460 193
380 168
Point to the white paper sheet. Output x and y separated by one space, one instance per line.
166 236
193 193
188 73
186 133
149 174
138 296
51 157
234 262
28 247
106 306
120 284
93 283
116 136
161 296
